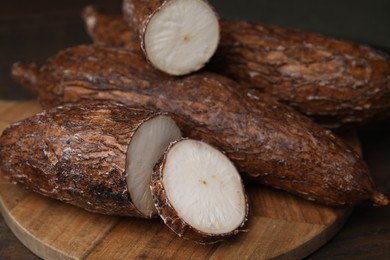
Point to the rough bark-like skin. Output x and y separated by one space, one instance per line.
26 74
138 13
76 154
268 141
334 82
104 28
170 216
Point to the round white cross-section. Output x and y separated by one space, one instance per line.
182 36
204 187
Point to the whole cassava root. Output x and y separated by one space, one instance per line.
334 82
268 142
177 36
79 154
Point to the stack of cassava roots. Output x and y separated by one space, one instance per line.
171 106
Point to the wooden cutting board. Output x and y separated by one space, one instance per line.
280 225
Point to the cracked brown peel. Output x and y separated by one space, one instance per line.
177 36
334 82
268 141
198 192
109 29
88 156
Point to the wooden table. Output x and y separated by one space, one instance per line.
33 30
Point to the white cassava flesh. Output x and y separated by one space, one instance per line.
204 188
148 144
181 36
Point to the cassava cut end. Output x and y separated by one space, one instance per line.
147 146
199 193
177 36
78 154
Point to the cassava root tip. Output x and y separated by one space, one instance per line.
380 199
26 74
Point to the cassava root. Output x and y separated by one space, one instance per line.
268 141
337 83
79 154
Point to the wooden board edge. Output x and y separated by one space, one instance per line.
41 248
27 239
315 243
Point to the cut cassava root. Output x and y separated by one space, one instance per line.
268 142
78 154
199 193
334 82
100 157
177 36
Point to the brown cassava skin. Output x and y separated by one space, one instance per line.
269 142
76 154
171 217
104 28
139 12
337 82
334 82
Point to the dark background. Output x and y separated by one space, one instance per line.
34 30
